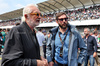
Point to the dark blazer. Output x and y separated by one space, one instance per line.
91 44
21 47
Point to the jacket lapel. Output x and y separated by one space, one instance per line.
71 42
31 34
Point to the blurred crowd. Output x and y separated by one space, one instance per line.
10 22
3 33
84 14
47 18
92 12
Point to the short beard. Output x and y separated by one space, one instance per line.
86 34
63 27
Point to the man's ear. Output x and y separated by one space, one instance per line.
26 16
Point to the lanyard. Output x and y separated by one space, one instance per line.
62 41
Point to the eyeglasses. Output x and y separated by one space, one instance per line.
37 14
66 19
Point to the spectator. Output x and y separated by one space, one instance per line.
40 38
1 41
91 44
99 38
4 35
95 33
44 42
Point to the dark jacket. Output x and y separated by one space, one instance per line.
91 45
21 47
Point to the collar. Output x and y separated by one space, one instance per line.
64 32
28 28
88 36
71 28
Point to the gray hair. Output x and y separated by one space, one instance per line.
87 29
27 10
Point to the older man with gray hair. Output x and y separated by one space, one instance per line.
91 44
21 46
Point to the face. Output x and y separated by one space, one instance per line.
96 33
86 32
62 21
33 18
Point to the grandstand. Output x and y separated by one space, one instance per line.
82 13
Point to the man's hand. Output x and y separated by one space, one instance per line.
42 63
51 63
94 54
45 62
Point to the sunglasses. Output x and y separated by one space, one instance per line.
37 14
66 19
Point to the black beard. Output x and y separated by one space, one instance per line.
63 27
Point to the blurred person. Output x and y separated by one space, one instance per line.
4 35
48 35
1 41
7 30
91 44
44 32
40 37
44 42
21 46
95 35
1 34
99 38
63 44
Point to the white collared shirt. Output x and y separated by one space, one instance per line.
40 37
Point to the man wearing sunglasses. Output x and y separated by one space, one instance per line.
63 44
21 46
